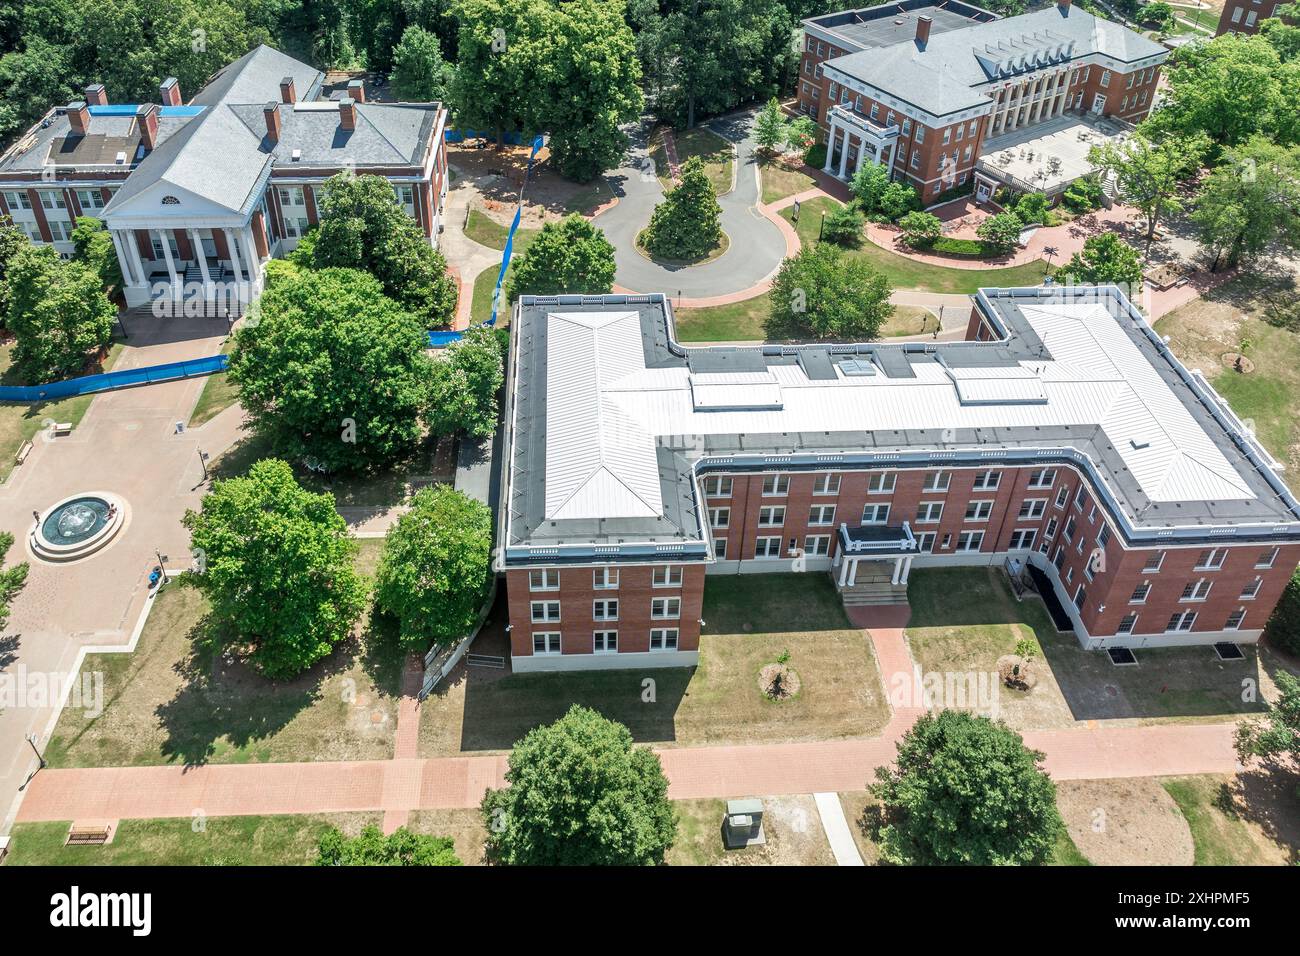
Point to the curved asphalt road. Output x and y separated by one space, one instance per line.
757 246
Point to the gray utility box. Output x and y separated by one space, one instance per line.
743 824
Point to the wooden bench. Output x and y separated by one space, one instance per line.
62 428
92 835
23 452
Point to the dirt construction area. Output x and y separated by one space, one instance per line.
498 176
1125 822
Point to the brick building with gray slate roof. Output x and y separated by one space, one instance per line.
199 195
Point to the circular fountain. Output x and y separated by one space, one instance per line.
77 526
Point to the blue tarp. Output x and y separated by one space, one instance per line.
460 135
107 381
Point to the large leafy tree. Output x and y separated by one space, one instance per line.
12 241
276 563
965 791
1277 735
57 312
769 126
565 68
1250 201
580 794
464 383
869 185
1104 260
371 848
569 256
1149 174
363 227
824 294
687 224
94 246
333 370
419 72
433 575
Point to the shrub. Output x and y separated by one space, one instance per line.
897 200
823 294
1033 208
843 226
816 155
1283 628
971 248
1082 195
920 229
1001 232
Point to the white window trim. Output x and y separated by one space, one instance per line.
559 643
606 649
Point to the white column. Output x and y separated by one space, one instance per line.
254 260
844 571
133 251
171 263
898 570
830 141
129 275
907 569
844 155
234 253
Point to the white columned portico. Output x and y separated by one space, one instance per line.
907 569
196 242
163 238
130 270
233 250
844 155
830 141
254 259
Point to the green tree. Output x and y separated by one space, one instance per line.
363 227
769 127
1105 259
1149 174
569 256
1032 208
433 576
824 294
1283 628
1282 32
843 226
371 848
276 563
94 246
1277 735
965 791
58 313
580 794
1082 195
687 224
1001 232
1250 202
869 185
31 80
897 200
800 133
12 241
920 229
12 578
464 384
420 74
569 69
333 370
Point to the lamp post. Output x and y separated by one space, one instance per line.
821 226
203 462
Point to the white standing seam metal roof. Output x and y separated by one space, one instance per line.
600 460
606 410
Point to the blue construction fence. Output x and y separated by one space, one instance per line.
106 381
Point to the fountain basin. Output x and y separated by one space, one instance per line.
78 525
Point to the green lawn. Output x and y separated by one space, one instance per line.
481 304
780 180
716 153
218 394
904 273
488 232
1220 836
743 322
218 841
174 701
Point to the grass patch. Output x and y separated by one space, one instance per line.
751 620
1219 835
224 841
904 273
218 394
173 701
1065 853
780 180
791 827
716 153
488 232
743 322
724 243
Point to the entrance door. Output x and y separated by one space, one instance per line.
1098 103
209 244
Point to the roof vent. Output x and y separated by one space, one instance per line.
856 367
297 155
120 158
1139 442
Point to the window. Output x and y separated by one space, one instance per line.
1234 619
1126 624
947 135
663 639
603 579
295 226
1080 596
719 517
881 484
545 580
1197 590
772 516
1059 558
18 201
819 515
717 487
875 514
907 126
916 159
1032 508
1140 593
1266 559
291 196
546 642
987 480
827 485
1080 498
1062 496
979 510
604 642
1023 539
668 576
925 542
1211 560
1182 621
1105 78
961 132
1103 536
776 485
970 540
974 125
60 230
965 155
604 610
929 512
1071 527
1050 530
947 541
670 607
720 548
90 199
1154 560
875 111
546 611
937 481
768 547
53 200
817 545
405 195
1251 589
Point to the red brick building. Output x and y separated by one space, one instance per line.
1245 16
204 193
928 89
1062 436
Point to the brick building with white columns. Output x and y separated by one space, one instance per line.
198 195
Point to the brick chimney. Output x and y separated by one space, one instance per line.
286 91
272 113
146 117
347 114
357 90
1064 5
923 25
170 89
79 117
96 95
